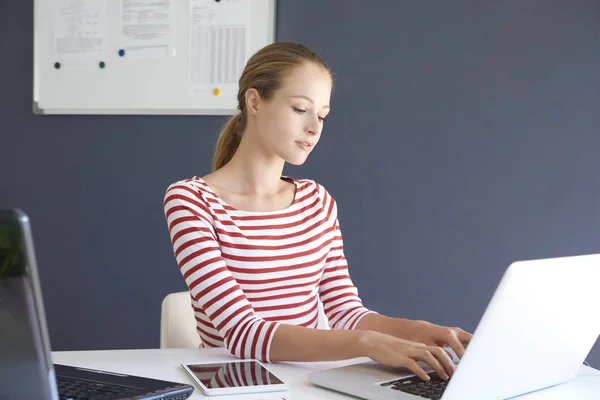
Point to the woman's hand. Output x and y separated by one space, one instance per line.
441 336
396 352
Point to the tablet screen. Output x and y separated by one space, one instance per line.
233 374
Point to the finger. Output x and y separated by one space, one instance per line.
449 354
442 344
455 344
442 356
427 357
464 337
416 369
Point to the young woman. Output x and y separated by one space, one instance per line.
258 250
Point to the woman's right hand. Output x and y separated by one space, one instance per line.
395 352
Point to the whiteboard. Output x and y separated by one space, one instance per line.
116 79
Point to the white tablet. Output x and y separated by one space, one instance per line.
234 377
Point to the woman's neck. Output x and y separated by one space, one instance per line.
251 171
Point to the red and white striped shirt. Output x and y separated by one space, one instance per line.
249 271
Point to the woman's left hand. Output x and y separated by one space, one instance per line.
437 335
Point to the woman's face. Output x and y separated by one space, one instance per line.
289 125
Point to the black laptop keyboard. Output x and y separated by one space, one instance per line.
432 389
77 389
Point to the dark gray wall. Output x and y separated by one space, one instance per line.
464 135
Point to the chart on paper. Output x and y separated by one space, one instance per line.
218 45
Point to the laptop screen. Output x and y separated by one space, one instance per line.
25 369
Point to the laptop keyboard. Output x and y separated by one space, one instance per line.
432 389
77 389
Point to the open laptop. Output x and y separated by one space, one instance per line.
538 328
26 370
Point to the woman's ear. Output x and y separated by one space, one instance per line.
252 101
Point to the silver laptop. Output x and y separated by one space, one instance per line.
538 328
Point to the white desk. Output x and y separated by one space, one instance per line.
165 364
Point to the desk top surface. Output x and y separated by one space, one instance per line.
165 364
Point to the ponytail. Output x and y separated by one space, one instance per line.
228 142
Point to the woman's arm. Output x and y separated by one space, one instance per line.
208 278
345 309
398 327
341 303
295 343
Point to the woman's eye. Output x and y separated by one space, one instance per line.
301 111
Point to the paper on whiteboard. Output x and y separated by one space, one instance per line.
80 32
219 45
148 28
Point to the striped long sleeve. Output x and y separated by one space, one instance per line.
211 284
339 295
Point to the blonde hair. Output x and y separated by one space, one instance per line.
263 72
